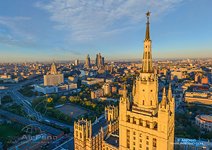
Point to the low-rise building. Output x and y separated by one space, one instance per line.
204 80
46 89
114 89
97 93
204 122
198 97
92 81
107 89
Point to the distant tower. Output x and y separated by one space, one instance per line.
53 69
97 55
76 63
88 62
16 68
99 60
54 78
144 123
103 61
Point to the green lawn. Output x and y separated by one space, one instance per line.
6 99
8 130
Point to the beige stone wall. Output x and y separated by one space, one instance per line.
53 80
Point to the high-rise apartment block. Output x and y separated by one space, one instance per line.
100 61
76 62
88 62
144 123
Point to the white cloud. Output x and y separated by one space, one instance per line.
89 19
12 31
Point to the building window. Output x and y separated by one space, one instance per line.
156 126
140 122
148 124
154 142
128 138
128 133
128 118
134 120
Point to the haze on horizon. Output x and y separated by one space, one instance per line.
71 29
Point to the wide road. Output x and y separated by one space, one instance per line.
26 103
26 121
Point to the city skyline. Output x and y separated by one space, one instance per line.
99 104
67 30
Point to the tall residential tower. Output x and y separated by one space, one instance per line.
88 62
144 123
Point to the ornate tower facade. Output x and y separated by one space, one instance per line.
111 115
84 136
144 123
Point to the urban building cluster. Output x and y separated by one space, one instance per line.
98 104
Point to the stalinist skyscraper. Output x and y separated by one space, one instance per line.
144 123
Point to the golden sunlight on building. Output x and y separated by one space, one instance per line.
140 123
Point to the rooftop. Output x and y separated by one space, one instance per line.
113 140
100 122
207 118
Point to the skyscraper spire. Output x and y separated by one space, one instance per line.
170 92
164 101
147 26
125 91
53 68
147 55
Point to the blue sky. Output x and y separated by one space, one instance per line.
46 30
